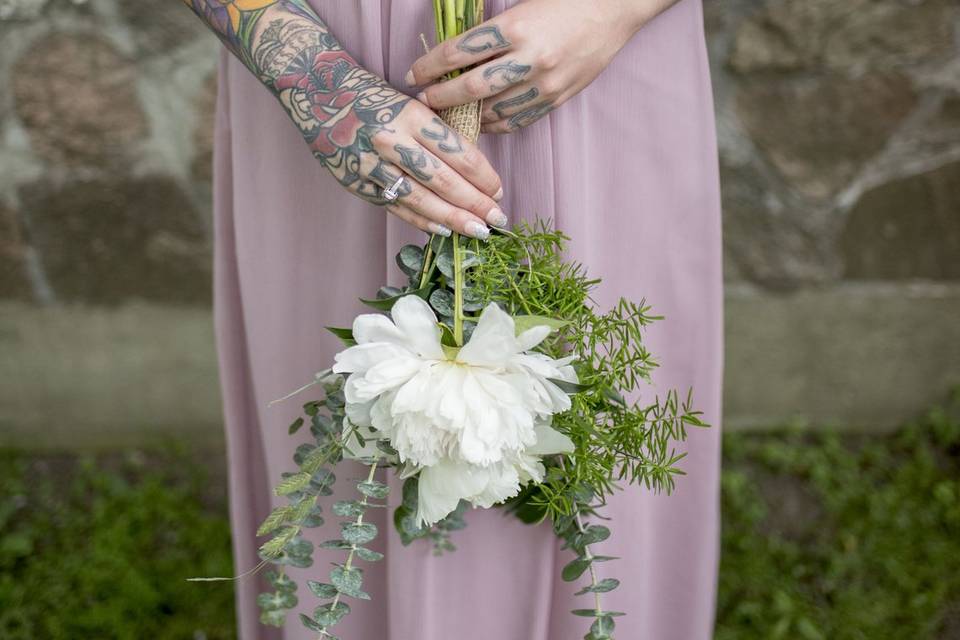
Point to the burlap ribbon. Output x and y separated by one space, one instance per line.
464 119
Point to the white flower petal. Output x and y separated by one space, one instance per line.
493 340
361 357
441 487
416 320
376 327
549 441
532 337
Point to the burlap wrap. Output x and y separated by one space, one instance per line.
464 119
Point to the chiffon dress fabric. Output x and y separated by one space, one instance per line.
628 169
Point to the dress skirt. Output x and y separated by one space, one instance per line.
627 169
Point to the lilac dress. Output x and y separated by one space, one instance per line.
628 169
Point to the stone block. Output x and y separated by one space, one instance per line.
906 229
110 241
75 95
818 131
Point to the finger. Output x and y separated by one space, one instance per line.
523 118
412 217
484 81
421 200
437 176
460 155
480 43
508 103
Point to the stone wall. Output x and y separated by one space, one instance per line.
839 130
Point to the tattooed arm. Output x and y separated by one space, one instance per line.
366 133
532 57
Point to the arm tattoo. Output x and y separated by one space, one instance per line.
482 39
507 73
516 101
447 139
415 160
337 105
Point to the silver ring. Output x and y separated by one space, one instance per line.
393 192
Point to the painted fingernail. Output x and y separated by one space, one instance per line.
409 79
422 97
496 218
498 196
477 230
440 230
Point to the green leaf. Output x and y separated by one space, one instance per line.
373 489
336 544
348 581
273 521
569 387
386 304
410 259
274 547
322 589
605 585
355 533
574 569
328 615
345 335
442 302
602 627
523 323
593 534
348 508
281 581
293 428
313 518
293 482
274 618
585 613
310 624
277 600
369 555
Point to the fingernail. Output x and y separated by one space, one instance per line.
422 97
440 230
496 218
498 196
477 230
409 79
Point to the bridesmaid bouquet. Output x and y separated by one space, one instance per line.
489 379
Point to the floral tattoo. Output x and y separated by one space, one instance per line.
337 105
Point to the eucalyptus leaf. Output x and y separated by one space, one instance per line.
442 302
574 569
295 426
274 618
368 555
336 544
602 627
593 534
322 589
361 533
347 581
348 508
327 615
410 259
373 489
605 585
386 304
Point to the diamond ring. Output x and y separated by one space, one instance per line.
393 192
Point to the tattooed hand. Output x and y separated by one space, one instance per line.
366 133
531 58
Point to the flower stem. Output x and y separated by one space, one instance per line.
457 290
593 572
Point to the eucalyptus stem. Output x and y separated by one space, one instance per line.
457 290
353 546
589 557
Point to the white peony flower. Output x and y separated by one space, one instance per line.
474 423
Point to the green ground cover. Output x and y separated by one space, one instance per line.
826 536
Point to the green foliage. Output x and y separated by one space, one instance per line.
842 538
100 547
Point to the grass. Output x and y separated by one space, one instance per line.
825 536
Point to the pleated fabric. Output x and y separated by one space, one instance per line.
628 168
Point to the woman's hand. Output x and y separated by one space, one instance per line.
369 135
364 131
531 58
